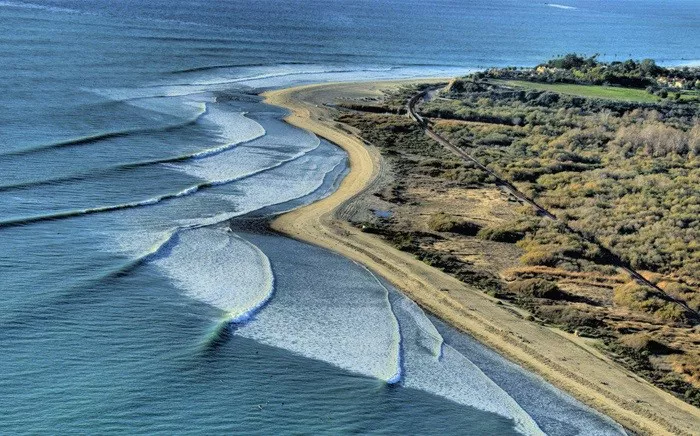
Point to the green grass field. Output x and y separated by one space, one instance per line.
590 91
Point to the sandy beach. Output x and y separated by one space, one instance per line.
568 362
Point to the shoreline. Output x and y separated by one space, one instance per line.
568 363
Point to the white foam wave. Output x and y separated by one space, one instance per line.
22 5
214 266
244 76
178 107
398 374
349 326
286 71
281 75
339 75
188 191
288 181
449 374
99 209
248 159
234 128
558 6
184 92
285 184
139 245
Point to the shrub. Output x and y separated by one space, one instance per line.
685 293
500 234
538 288
643 343
688 365
571 318
635 296
495 139
443 222
466 176
404 242
655 139
540 257
672 312
645 299
547 99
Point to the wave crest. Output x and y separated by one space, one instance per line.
433 366
216 267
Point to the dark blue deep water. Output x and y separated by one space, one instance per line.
131 134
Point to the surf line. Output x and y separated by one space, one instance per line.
226 326
397 376
150 201
107 135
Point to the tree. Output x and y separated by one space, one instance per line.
568 62
649 68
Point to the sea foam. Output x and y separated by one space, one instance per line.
284 182
270 151
214 266
234 127
435 367
342 316
348 318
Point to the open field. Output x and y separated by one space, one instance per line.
588 91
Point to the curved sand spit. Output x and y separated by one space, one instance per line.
568 362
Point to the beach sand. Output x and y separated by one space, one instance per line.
566 361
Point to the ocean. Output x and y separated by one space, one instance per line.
132 143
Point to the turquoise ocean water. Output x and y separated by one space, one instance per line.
131 133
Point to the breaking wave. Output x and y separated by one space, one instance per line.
74 213
558 6
365 328
254 131
147 202
433 366
89 139
350 326
216 267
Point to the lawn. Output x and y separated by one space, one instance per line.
589 91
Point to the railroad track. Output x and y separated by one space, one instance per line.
608 255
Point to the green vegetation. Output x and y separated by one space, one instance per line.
572 320
415 242
643 343
683 292
536 288
589 91
573 68
637 297
637 350
501 234
618 165
625 173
